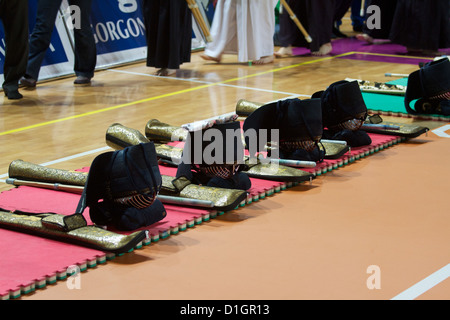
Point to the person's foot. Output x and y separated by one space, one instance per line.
324 50
284 52
364 37
164 72
209 58
370 40
82 80
264 60
28 82
13 94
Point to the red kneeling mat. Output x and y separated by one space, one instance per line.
29 262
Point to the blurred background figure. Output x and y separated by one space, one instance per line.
379 34
422 26
85 48
245 28
168 25
317 17
341 9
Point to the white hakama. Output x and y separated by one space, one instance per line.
243 27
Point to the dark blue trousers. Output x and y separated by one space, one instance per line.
84 47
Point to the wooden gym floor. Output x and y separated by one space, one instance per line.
318 241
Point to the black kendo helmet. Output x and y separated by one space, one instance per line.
122 187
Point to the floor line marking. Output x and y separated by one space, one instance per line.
441 131
208 82
391 55
170 94
424 285
291 66
75 156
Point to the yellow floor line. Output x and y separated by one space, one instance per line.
42 124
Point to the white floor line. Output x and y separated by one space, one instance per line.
209 82
424 285
442 131
82 154
75 156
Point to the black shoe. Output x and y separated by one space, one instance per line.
82 80
28 82
13 95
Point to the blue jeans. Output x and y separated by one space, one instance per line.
85 49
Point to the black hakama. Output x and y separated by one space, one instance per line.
422 24
341 7
168 26
316 16
14 16
386 16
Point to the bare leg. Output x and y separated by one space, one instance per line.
284 52
371 40
364 37
324 50
264 60
209 58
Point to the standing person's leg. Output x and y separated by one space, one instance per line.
262 27
151 10
168 28
85 48
289 33
223 31
14 14
340 9
380 34
321 25
357 19
40 39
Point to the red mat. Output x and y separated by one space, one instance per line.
28 262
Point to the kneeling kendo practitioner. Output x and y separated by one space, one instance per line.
343 113
429 89
299 126
214 157
122 187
